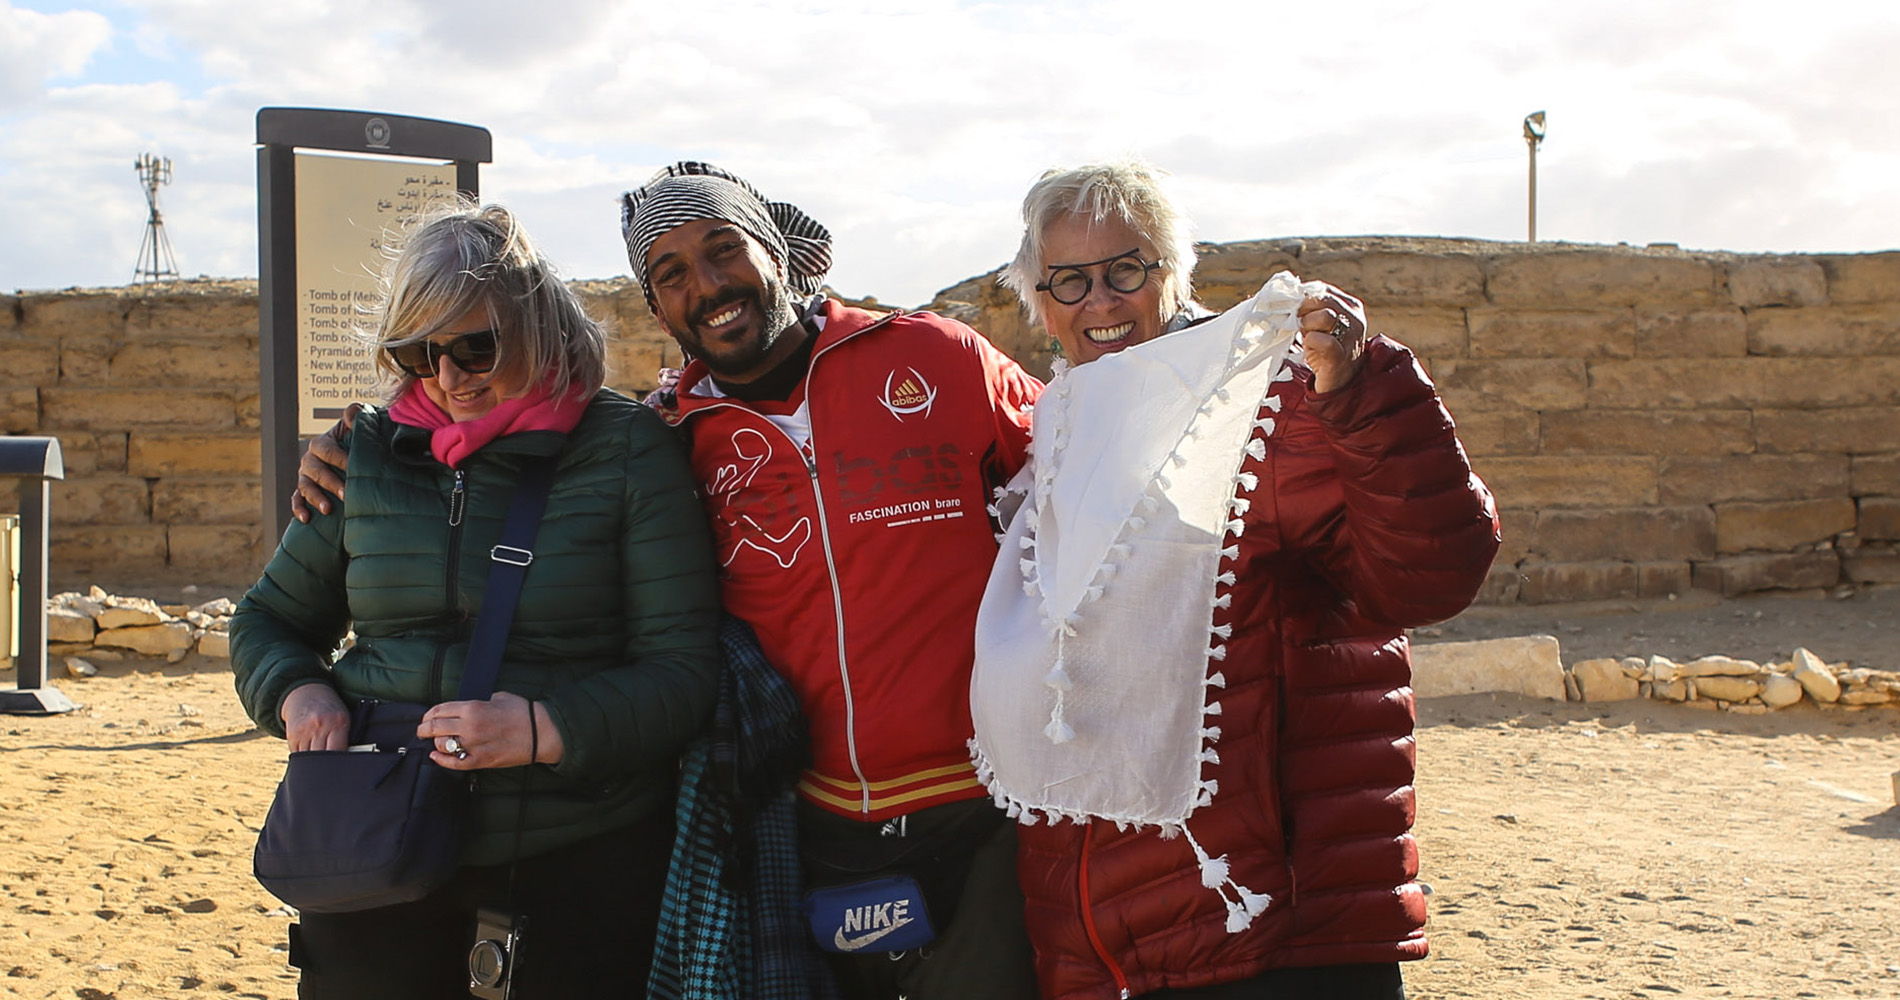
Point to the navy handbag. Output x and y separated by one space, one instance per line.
380 823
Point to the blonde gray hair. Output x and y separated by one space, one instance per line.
463 258
1128 190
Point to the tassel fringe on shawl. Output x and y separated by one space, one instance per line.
1086 641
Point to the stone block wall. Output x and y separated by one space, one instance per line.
153 396
1650 419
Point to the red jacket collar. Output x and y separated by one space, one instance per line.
842 322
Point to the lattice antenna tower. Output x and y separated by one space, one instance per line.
156 262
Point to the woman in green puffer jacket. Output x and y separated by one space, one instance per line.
610 665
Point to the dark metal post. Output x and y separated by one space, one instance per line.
37 461
468 179
277 333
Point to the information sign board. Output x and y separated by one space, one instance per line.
332 188
348 212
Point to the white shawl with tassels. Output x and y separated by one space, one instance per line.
1096 687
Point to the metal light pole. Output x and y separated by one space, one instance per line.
1534 137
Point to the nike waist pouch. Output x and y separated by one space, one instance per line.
882 914
892 886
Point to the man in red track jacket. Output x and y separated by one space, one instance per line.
847 460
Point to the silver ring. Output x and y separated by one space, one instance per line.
454 746
1342 328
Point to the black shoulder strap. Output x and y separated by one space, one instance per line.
505 576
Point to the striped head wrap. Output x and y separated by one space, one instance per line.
689 191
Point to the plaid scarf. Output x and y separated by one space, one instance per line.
730 925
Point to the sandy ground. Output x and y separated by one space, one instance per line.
126 830
1649 850
1574 851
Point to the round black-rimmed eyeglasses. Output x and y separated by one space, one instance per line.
1125 272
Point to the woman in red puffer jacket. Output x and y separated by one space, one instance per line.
1353 514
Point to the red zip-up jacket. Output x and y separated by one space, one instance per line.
1367 519
860 563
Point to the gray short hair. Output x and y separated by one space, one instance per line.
1129 190
463 258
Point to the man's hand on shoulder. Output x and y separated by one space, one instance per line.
320 473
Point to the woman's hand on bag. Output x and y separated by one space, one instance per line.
315 719
1333 333
492 733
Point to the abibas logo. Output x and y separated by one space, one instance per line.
911 395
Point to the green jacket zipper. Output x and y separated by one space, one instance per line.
458 506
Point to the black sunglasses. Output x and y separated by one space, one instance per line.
474 353
1126 273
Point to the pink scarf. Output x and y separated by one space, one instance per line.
452 443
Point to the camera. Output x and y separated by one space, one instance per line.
495 954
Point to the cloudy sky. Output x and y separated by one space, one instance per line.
912 127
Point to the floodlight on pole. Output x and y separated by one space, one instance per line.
1534 137
155 251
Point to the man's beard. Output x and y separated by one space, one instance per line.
742 359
